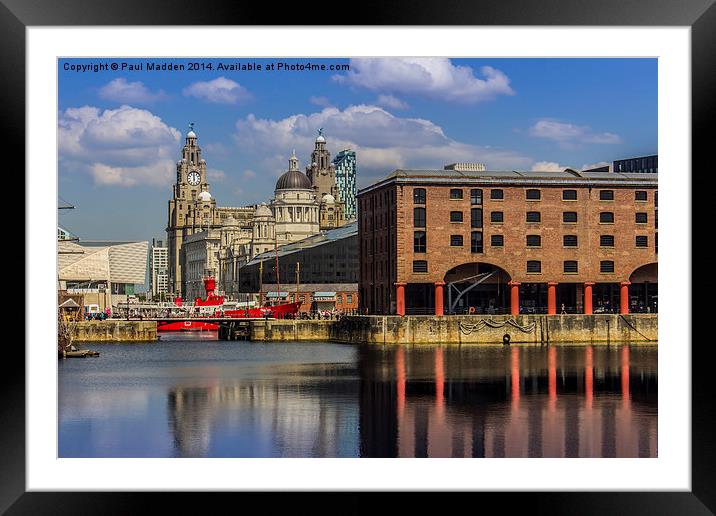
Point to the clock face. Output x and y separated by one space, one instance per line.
194 178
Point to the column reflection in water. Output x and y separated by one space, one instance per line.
511 401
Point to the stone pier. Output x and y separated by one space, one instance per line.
478 329
115 331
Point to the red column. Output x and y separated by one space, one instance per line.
400 298
588 297
439 308
625 297
551 298
514 297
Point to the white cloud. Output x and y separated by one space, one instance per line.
119 90
434 77
125 146
570 134
553 166
391 102
221 90
599 164
249 174
548 166
216 175
320 101
382 141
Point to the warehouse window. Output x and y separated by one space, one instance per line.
533 216
456 240
569 241
640 195
475 196
420 266
570 267
534 266
606 266
569 195
640 218
642 241
476 217
569 216
606 195
419 196
497 216
476 242
497 194
497 241
455 216
533 194
419 242
534 241
456 193
606 240
419 217
606 217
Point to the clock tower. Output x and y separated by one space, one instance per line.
187 207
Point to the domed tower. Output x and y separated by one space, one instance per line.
294 205
263 230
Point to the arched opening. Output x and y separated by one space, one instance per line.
477 288
644 289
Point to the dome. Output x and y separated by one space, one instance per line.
263 211
320 139
204 196
293 180
191 134
328 199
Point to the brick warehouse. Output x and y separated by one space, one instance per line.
474 241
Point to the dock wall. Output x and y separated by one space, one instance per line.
532 329
115 331
291 330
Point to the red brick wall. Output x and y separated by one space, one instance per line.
513 256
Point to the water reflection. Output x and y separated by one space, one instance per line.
208 399
514 402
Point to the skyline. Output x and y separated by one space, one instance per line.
120 133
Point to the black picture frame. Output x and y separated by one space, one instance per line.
700 15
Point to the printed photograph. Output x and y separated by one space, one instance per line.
394 257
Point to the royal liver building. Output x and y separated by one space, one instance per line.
204 239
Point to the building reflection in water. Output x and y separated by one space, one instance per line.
287 413
576 401
394 401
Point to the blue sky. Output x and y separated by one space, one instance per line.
120 132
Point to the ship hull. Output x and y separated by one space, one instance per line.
187 326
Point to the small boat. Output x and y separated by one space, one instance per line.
81 353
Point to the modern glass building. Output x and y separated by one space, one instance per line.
345 163
639 165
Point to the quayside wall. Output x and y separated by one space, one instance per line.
115 331
468 329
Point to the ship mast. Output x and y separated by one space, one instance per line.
298 280
261 280
278 276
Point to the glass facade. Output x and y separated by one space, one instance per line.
642 165
345 163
